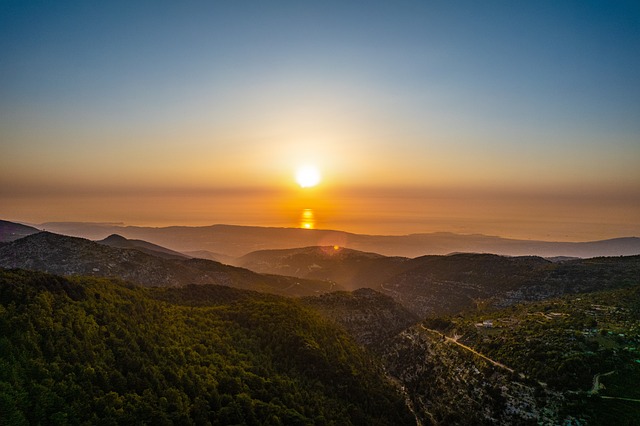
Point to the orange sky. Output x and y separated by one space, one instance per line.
514 120
577 216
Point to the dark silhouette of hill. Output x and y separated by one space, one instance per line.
447 284
205 254
431 285
239 240
11 231
119 241
426 285
63 255
351 269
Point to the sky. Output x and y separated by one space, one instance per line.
519 119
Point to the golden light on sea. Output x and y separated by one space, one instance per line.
307 219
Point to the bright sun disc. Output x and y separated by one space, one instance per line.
307 176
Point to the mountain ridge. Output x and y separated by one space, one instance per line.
446 284
236 240
352 269
11 231
118 241
64 255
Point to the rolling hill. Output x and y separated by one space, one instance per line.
567 360
431 285
237 241
11 231
96 350
119 241
48 252
448 284
351 269
426 285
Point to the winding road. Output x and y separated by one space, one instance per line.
470 349
596 388
596 379
596 382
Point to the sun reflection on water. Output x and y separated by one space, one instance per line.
307 219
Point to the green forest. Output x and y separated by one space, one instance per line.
97 351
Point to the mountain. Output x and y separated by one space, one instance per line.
64 255
239 240
434 285
205 254
11 231
92 350
427 285
83 350
350 269
119 241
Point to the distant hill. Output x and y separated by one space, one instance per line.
205 254
434 285
11 231
240 240
119 241
351 269
430 285
65 255
427 285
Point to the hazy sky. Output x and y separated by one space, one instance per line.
513 118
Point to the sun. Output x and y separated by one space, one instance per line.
307 176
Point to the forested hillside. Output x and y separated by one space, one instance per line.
371 317
584 346
92 350
573 360
443 285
